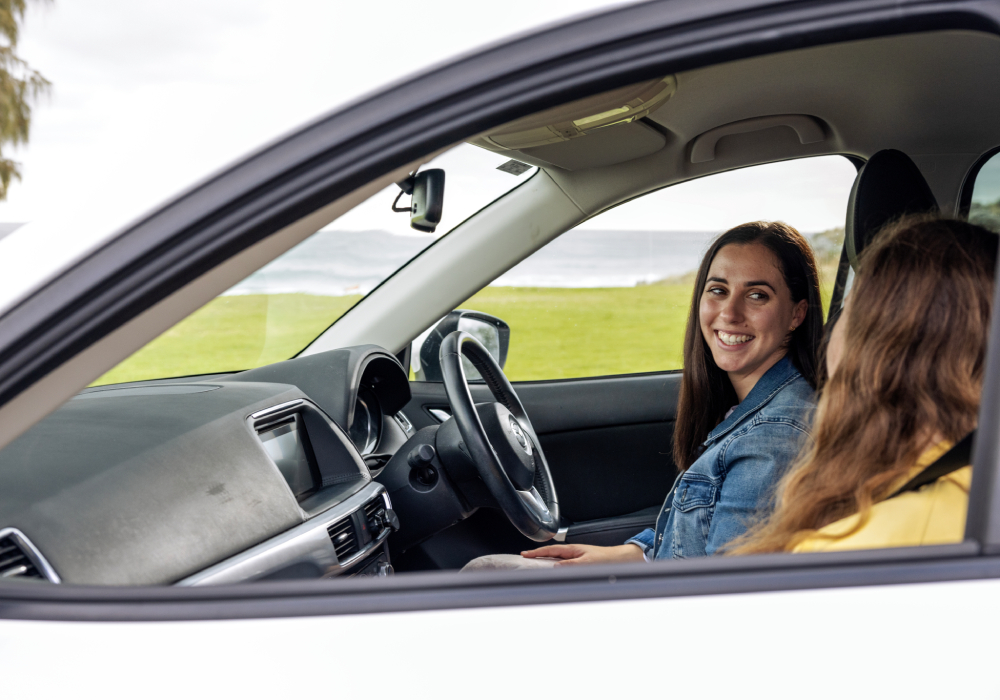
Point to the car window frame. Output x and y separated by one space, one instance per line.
696 35
969 183
983 518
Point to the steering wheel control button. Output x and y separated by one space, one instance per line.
518 432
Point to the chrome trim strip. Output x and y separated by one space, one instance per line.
308 542
276 409
535 502
439 413
403 422
560 535
32 552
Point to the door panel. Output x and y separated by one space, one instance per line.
608 532
607 441
603 472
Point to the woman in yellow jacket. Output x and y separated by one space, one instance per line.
905 364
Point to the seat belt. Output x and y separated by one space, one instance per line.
960 455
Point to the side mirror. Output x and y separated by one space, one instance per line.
493 333
426 190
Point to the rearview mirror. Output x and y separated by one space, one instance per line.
493 333
426 190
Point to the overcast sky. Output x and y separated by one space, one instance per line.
149 96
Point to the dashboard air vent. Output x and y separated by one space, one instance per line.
14 561
344 538
373 508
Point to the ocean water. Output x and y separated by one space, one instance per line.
335 263
610 259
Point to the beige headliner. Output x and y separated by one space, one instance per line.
930 95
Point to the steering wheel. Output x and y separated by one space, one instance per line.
500 439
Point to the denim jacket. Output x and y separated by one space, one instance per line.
733 480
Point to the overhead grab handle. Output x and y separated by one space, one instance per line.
808 130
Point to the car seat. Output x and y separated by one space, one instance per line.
888 187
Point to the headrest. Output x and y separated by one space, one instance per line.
888 187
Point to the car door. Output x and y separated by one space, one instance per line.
784 625
597 321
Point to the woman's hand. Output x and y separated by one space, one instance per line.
586 553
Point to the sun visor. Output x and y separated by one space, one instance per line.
615 144
609 121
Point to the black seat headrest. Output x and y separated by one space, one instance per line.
888 187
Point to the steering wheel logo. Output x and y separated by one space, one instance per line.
519 435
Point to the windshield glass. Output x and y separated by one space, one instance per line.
277 311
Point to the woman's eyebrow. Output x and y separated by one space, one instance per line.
760 283
718 279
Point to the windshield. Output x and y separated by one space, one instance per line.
277 311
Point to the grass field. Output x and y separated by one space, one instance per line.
233 333
555 332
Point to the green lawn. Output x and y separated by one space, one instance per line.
233 333
555 332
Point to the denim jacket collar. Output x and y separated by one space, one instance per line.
776 378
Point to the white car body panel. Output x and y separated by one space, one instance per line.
833 643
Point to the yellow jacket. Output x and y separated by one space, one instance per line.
934 514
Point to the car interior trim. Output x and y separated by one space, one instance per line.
403 422
280 408
442 414
32 552
307 543
806 128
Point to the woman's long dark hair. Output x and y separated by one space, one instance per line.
706 392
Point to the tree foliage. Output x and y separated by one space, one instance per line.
19 85
986 215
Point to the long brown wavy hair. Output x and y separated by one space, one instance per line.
706 392
912 367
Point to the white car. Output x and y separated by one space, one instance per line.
188 506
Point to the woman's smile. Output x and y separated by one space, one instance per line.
731 341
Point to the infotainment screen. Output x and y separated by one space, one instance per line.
288 446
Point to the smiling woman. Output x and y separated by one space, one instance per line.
748 313
720 376
746 397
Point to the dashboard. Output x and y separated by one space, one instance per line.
264 474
